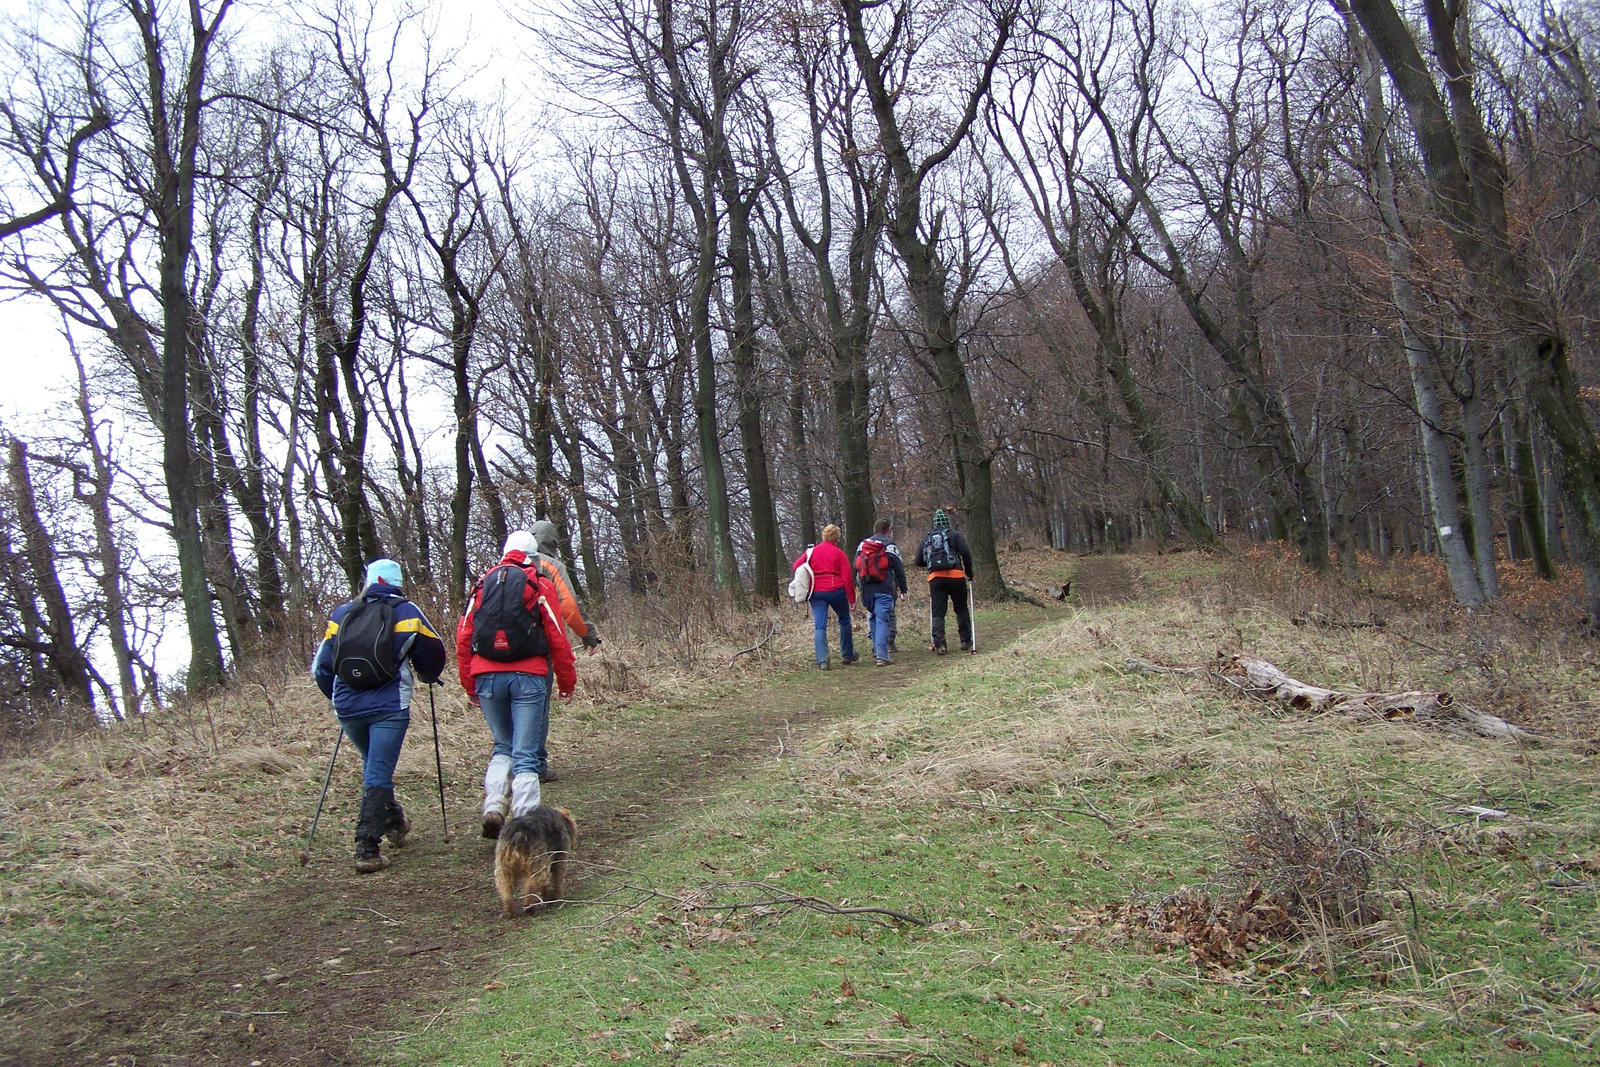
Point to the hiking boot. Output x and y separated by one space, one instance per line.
940 650
547 775
847 660
885 662
966 646
369 829
892 648
496 795
396 827
825 665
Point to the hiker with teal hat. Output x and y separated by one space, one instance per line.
946 555
373 653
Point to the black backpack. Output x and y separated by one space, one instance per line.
940 551
363 649
503 629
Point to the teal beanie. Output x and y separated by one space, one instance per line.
383 572
941 521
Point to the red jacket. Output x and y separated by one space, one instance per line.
540 598
831 568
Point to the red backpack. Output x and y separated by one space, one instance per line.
872 561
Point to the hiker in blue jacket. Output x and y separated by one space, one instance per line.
881 574
375 650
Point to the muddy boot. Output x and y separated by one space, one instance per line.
396 827
496 795
369 830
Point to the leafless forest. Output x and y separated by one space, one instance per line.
1089 272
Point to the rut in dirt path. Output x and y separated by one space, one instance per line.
311 966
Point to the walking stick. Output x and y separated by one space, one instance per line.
438 766
305 854
972 619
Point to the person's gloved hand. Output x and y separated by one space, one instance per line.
591 641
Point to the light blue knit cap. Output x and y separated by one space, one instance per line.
941 521
384 571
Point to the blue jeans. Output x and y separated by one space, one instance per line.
880 623
378 738
840 602
517 708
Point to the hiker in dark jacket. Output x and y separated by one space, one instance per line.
949 561
511 686
882 577
376 719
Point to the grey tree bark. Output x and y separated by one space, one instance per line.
1464 580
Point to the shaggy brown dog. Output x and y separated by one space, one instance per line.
530 861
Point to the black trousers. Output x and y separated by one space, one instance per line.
944 591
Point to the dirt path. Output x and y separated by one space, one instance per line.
295 969
1104 580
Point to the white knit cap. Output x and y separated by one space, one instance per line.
520 541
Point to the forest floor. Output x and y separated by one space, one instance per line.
303 968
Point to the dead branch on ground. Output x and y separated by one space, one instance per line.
1264 680
771 633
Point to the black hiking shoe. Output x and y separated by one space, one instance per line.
493 822
940 650
885 662
547 775
966 646
369 829
847 660
825 665
892 648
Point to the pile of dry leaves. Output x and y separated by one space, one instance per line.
1220 937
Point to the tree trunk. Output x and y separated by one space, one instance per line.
174 154
1441 488
67 661
1476 464
752 437
111 575
926 280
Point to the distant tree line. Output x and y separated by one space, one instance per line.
1090 272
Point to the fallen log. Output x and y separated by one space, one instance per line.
1265 680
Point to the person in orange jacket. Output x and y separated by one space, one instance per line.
508 643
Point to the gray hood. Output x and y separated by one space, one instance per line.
544 535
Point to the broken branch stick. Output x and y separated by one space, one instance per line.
1263 679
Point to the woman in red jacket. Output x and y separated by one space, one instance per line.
508 644
832 585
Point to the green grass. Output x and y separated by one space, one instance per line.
1491 951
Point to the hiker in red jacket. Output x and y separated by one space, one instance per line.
833 585
507 644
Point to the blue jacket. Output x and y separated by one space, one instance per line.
426 656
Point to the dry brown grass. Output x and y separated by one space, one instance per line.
1057 711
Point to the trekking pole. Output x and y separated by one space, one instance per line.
438 766
305 853
972 619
